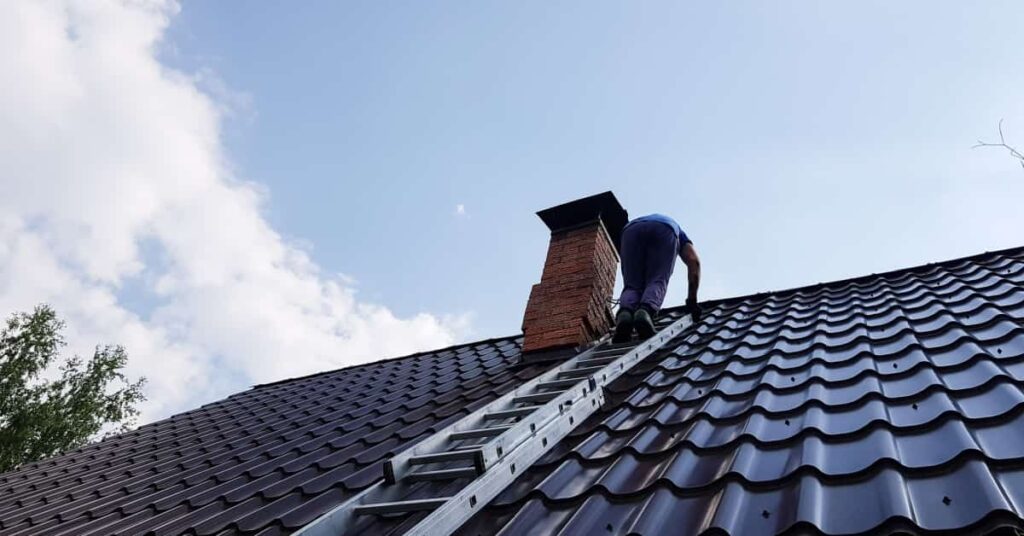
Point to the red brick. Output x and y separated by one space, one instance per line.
570 304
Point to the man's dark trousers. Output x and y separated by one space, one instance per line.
649 250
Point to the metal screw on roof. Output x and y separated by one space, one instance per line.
787 422
946 500
765 514
914 406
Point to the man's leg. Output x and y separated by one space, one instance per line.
633 258
660 261
660 258
633 268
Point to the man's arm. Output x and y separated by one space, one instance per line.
692 262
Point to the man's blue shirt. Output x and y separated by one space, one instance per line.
661 218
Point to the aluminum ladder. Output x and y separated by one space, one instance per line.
492 445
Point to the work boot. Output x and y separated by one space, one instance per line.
623 326
643 323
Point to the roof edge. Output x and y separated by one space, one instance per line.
708 303
389 359
838 282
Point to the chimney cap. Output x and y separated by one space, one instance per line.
603 206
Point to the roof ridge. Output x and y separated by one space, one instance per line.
848 280
721 301
388 360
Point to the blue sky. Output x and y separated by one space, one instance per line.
796 142
240 192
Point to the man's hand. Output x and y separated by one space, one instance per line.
694 309
692 261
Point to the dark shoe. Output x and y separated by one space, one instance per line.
643 323
623 326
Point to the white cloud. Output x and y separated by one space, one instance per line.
114 174
460 210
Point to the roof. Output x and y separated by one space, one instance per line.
890 402
265 461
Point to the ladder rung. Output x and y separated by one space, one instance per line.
579 372
611 351
535 397
399 507
442 474
598 360
479 432
558 384
449 456
495 461
514 412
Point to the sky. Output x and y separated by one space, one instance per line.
240 192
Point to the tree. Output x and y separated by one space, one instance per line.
1003 145
40 417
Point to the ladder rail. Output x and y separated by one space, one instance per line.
391 489
451 515
399 465
503 457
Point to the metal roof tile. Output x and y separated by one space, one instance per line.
265 461
887 402
841 408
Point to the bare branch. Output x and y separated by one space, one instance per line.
1002 143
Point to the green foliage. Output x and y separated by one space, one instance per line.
40 417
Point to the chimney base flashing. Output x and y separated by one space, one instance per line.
549 355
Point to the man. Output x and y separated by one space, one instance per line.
649 248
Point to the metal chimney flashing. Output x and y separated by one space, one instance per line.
604 207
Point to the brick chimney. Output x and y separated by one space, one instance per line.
569 308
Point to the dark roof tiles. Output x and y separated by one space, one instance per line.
884 403
893 402
265 461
